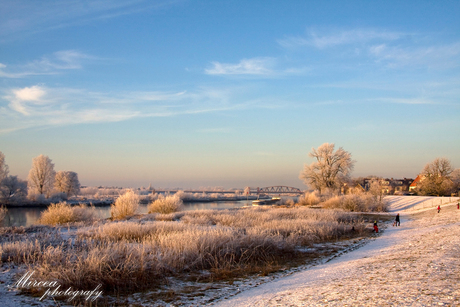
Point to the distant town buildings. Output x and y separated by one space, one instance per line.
387 186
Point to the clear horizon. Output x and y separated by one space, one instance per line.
179 93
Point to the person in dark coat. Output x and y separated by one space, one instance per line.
397 221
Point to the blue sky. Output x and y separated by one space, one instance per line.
227 93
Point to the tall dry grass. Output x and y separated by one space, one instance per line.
139 254
17 246
125 206
165 205
62 213
356 203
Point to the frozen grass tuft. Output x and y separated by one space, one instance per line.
356 203
309 199
165 205
125 206
62 213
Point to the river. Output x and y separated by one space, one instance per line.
27 216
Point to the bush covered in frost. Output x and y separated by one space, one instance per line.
168 204
125 206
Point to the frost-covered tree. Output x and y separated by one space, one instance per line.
3 167
67 182
330 169
437 179
13 189
455 176
41 176
376 189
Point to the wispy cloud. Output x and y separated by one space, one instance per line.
254 66
46 65
377 48
25 16
39 105
433 56
413 101
14 74
335 38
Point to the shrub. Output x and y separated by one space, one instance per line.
125 206
309 199
59 213
62 213
168 204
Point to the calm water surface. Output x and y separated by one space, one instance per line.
28 216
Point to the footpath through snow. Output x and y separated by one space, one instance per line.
416 264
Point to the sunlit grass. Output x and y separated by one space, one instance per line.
125 206
139 253
168 204
62 213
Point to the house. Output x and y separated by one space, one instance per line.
388 186
401 186
414 183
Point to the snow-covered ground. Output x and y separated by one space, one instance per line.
411 204
416 264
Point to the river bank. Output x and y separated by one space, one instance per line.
28 215
412 265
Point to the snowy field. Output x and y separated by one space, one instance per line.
417 264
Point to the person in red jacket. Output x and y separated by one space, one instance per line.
439 208
376 228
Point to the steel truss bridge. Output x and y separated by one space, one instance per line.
280 189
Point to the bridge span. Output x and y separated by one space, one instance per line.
277 190
280 189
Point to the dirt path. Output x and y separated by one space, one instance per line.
417 264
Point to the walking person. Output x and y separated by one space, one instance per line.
439 208
458 205
376 228
397 220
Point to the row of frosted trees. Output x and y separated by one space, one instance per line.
332 168
43 182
